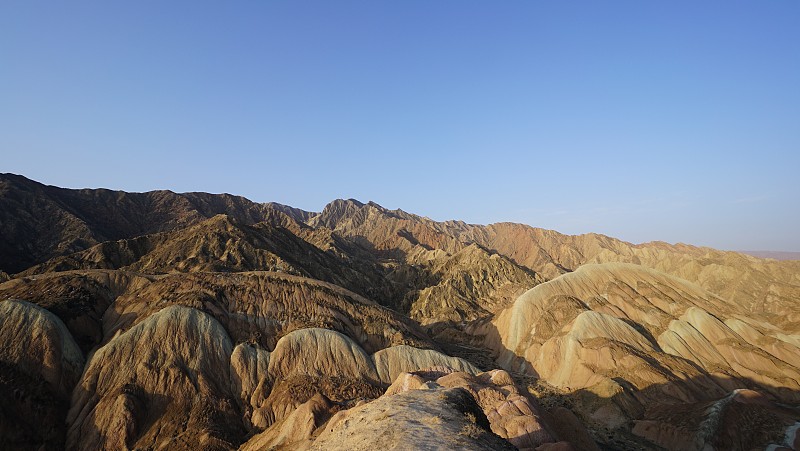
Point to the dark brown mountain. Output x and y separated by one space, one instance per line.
39 222
219 244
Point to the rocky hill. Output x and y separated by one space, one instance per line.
207 321
39 222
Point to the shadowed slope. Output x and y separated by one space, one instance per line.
262 307
763 286
220 244
79 299
40 363
40 222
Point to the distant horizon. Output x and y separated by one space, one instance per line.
407 210
646 121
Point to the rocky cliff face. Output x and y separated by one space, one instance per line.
200 321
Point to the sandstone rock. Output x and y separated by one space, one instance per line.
264 306
592 335
249 378
391 362
79 299
471 284
40 363
593 345
419 419
296 430
405 382
173 370
512 414
37 343
306 362
319 352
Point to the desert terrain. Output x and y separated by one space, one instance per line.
165 320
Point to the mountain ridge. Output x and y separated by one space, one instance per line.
211 321
206 205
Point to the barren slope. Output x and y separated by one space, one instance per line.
169 371
40 222
201 321
638 338
764 286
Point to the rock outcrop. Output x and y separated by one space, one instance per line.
40 363
510 411
419 419
391 362
164 382
610 318
310 362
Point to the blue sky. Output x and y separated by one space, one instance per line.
674 121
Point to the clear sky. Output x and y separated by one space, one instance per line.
644 120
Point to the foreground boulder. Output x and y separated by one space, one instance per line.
419 419
513 413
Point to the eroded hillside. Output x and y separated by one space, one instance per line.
200 321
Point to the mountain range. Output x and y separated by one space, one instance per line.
208 321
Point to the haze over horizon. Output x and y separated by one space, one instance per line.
673 122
